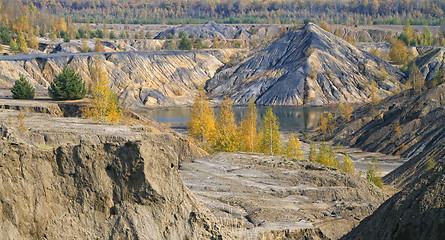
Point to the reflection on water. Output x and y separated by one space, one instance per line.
289 118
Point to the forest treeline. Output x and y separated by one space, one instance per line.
252 11
21 22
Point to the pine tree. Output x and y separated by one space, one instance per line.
185 43
112 35
5 35
348 166
312 153
270 141
105 31
427 37
68 85
202 122
439 78
227 136
293 148
249 136
22 89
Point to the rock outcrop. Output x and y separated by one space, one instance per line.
71 178
139 78
431 61
417 212
97 191
308 66
404 124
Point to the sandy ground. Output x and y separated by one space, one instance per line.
254 193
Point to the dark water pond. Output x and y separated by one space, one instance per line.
289 118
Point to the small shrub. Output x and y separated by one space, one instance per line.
348 165
431 164
22 89
373 173
169 45
238 44
21 124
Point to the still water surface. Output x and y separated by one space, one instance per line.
290 118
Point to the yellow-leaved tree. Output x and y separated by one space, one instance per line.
202 122
326 123
332 161
249 136
323 155
348 166
98 47
293 148
270 139
374 96
104 103
345 111
226 128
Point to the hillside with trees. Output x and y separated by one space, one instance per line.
254 11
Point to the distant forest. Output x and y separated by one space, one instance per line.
352 12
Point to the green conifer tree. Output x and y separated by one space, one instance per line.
22 89
185 43
68 85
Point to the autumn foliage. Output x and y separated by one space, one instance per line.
202 124
104 103
227 138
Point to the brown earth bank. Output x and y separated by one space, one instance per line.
114 190
66 177
151 78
